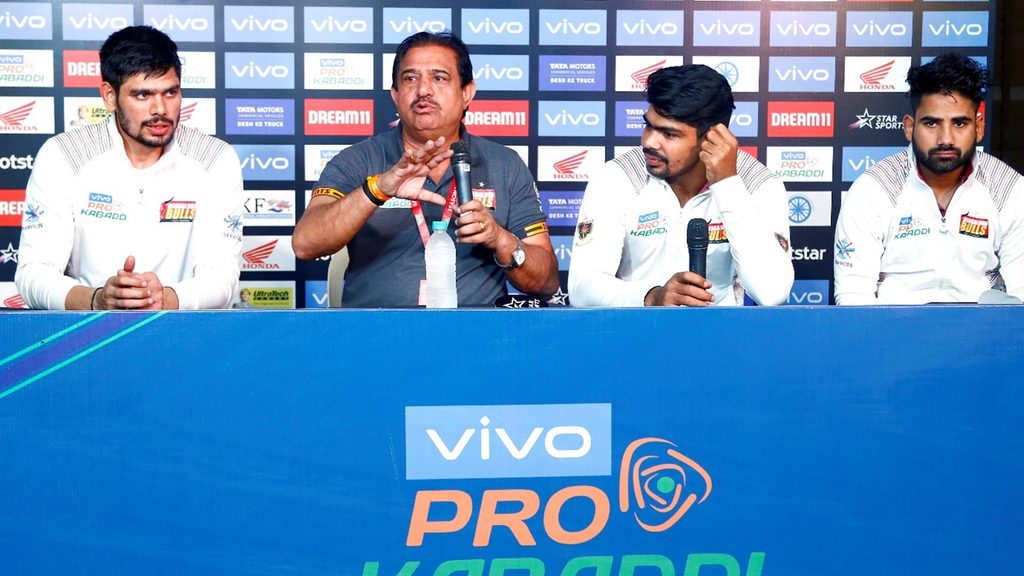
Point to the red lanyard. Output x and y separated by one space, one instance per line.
421 221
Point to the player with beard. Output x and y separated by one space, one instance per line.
138 212
940 221
630 243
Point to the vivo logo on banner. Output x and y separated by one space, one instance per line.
270 24
498 72
727 28
882 29
26 21
565 118
808 292
511 441
182 22
266 161
95 21
801 74
743 123
505 27
259 70
803 28
316 294
562 246
649 28
857 159
325 24
573 27
402 22
955 29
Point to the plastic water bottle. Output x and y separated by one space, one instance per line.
440 260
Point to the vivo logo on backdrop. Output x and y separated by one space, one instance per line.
573 27
954 29
505 27
801 74
95 21
259 70
498 72
182 22
324 25
743 123
567 118
26 21
857 159
402 22
881 29
727 28
269 24
803 28
266 161
649 28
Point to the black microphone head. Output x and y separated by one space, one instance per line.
697 233
461 152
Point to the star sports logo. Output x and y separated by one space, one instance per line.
571 164
17 115
9 255
259 254
877 121
641 75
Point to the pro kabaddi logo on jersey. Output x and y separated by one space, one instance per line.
103 206
649 224
970 226
716 233
178 211
910 226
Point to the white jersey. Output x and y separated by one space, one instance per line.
893 246
631 235
87 209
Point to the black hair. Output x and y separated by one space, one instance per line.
137 50
948 73
446 39
693 94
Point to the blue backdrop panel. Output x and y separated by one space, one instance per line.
815 441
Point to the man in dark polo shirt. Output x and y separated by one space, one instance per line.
378 197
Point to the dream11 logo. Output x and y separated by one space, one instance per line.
656 486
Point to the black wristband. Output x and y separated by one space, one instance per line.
92 301
369 194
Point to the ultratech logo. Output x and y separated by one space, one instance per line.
801 119
13 162
499 117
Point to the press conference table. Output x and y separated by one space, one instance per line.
813 440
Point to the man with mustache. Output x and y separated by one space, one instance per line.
630 244
379 196
137 212
940 221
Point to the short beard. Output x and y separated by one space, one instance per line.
941 166
150 142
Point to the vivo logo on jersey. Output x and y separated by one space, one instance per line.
732 28
955 29
573 27
857 159
801 74
95 21
883 29
500 72
506 27
182 22
261 24
266 161
539 440
564 118
259 70
649 28
26 21
402 22
325 24
803 28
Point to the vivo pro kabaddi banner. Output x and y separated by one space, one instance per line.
819 90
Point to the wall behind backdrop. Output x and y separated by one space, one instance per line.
819 87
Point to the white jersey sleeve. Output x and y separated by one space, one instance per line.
859 243
1011 250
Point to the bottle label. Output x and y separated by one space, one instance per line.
423 292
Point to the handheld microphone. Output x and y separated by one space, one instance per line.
697 243
460 169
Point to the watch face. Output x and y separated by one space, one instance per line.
519 256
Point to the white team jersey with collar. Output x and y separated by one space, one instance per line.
631 235
87 209
893 246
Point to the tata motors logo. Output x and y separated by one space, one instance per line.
876 74
507 27
402 22
183 22
498 117
95 21
570 73
803 29
879 29
573 27
962 29
325 24
259 24
26 21
649 28
259 70
801 119
259 116
561 208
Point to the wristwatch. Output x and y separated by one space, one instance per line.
518 257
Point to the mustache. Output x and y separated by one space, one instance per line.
158 119
426 100
657 155
945 148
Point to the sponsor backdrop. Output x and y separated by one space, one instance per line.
697 460
819 88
